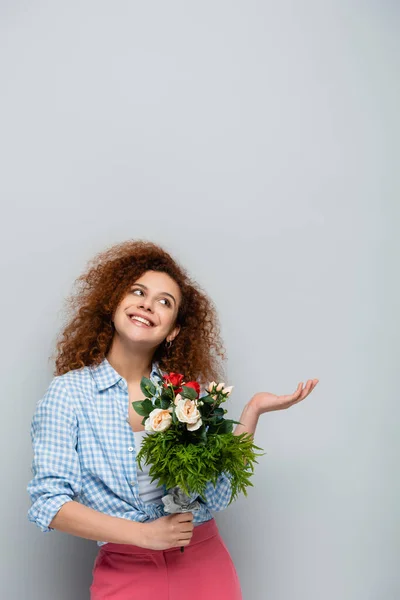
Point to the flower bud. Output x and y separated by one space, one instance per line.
220 386
228 390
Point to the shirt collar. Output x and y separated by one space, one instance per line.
106 376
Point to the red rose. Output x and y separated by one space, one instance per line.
194 385
175 379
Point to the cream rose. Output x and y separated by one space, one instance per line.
187 412
177 398
195 426
158 420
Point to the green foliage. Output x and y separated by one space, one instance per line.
165 403
143 407
208 399
191 466
148 388
188 392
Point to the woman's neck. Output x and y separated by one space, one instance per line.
130 364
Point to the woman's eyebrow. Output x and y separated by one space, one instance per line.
146 288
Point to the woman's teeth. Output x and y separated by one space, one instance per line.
144 321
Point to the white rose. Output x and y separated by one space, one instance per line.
159 420
177 398
195 426
187 412
220 386
228 390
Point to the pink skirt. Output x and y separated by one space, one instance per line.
204 570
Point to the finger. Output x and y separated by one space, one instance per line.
294 397
298 395
310 385
184 517
300 392
183 543
187 531
185 535
306 390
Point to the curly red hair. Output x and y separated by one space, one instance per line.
197 351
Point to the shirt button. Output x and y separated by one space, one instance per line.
130 448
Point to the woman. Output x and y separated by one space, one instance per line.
135 313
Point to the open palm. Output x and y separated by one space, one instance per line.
266 402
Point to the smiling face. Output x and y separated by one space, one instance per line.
147 314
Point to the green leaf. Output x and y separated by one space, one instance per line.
212 428
148 388
203 434
167 393
165 403
147 405
188 392
219 412
225 426
207 399
138 406
157 403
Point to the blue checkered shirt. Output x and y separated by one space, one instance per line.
84 450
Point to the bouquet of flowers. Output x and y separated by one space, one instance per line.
190 442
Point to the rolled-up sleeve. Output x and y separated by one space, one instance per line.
55 466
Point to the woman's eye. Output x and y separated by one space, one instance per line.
165 299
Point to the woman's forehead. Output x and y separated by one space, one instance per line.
158 282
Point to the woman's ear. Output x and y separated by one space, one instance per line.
175 332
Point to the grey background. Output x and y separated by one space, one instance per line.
259 143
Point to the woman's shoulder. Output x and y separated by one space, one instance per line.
68 385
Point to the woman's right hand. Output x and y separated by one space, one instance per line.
168 532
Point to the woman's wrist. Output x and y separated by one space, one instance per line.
137 534
248 419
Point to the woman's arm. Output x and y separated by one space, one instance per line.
83 521
56 481
248 420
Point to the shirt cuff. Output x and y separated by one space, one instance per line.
48 511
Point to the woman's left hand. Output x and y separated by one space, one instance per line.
265 402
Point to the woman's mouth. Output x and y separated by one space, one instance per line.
139 322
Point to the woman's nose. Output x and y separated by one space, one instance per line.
146 304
